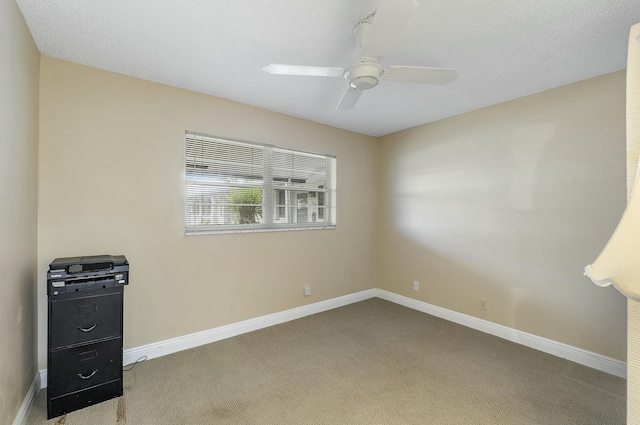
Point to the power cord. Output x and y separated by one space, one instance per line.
140 360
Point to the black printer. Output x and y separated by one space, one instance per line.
74 274
84 338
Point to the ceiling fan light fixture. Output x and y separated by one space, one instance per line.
363 83
363 75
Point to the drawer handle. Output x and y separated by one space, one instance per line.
88 329
81 376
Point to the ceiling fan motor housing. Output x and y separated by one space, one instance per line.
363 75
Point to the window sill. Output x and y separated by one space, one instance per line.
257 230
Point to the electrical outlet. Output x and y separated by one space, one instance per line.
416 285
307 291
484 304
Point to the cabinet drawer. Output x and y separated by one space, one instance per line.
85 319
73 369
58 406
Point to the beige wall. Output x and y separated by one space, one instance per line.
509 203
111 181
19 67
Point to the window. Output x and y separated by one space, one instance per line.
234 186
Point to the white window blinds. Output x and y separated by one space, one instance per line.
234 186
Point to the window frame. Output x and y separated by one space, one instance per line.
271 208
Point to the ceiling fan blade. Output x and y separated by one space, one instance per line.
349 99
313 71
421 75
388 22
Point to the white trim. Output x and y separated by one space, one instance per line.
274 228
173 345
27 404
578 355
43 378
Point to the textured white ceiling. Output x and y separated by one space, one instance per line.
503 49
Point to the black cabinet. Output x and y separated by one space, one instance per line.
84 359
85 350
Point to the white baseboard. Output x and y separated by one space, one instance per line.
173 345
578 355
27 404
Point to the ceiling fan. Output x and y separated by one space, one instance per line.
374 35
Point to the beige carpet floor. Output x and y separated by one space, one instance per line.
372 362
